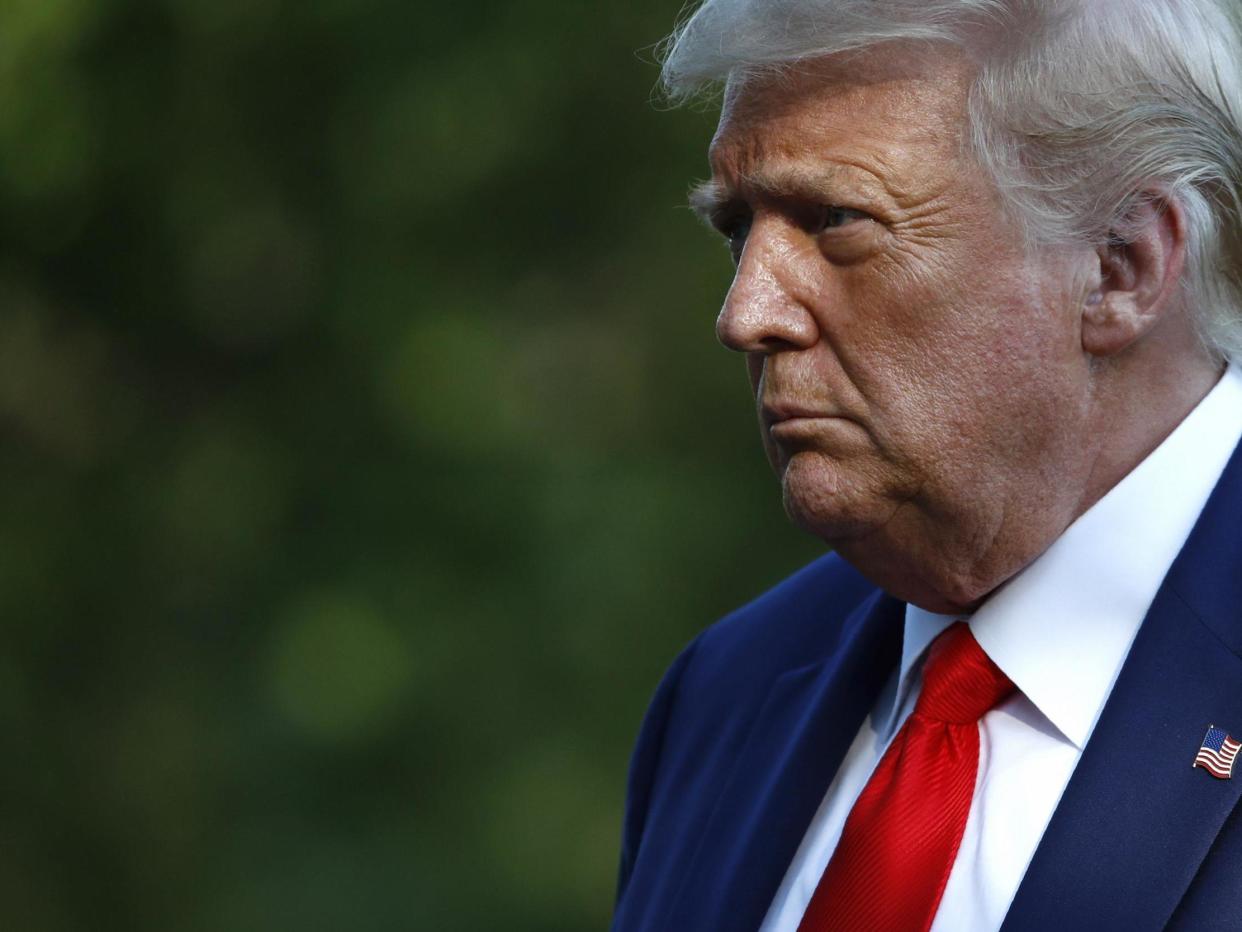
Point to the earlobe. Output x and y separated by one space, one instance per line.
1136 283
1111 323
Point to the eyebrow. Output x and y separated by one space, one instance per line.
711 201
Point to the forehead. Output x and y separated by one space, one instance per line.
886 119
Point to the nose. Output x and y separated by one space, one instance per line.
762 312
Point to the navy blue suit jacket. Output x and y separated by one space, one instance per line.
750 723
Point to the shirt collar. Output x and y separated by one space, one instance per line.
1062 627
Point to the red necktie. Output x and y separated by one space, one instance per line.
901 838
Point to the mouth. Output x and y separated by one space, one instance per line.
774 414
799 424
804 429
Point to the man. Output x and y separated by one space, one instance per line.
987 286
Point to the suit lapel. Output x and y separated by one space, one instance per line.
1136 819
799 738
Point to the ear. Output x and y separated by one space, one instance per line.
1138 275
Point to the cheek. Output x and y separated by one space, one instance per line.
958 358
907 336
972 304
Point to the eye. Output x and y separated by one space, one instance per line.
831 217
735 231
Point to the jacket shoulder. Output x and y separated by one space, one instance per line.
705 707
797 622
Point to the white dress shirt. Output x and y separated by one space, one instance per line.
1060 629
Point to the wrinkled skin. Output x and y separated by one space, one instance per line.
938 405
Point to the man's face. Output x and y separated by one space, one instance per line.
916 376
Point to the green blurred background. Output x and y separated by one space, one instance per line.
367 455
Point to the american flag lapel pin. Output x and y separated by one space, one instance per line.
1217 753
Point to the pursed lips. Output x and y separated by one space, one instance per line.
780 412
797 424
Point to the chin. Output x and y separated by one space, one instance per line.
823 499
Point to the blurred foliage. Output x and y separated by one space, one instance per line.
367 456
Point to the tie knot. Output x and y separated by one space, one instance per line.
960 681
